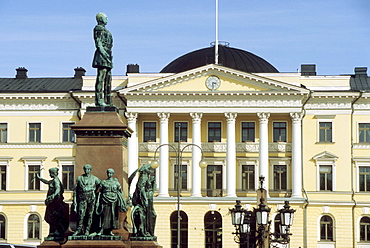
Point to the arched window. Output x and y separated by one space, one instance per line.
183 230
365 229
326 228
2 227
213 229
33 227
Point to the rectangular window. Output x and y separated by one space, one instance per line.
3 132
280 177
3 177
248 131
364 132
68 134
68 177
33 182
183 131
326 178
364 178
34 132
214 180
150 131
214 131
325 130
279 131
184 177
248 177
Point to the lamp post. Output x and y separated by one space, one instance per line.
252 228
178 151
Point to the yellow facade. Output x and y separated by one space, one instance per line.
165 99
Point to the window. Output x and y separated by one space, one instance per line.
326 177
214 131
213 229
183 131
3 132
68 177
214 180
364 132
248 131
325 131
33 181
184 177
2 177
365 229
364 178
280 177
326 228
150 131
2 227
33 224
248 177
68 133
183 229
34 132
279 131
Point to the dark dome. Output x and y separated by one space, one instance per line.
229 57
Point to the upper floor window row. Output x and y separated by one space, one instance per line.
364 132
34 132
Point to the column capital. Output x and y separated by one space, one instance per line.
163 116
131 116
263 116
296 116
230 117
196 116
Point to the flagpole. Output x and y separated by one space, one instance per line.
216 41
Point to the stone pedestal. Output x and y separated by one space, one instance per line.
94 244
145 244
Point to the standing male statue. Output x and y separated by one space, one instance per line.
103 61
84 199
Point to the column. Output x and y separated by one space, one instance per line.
296 154
196 155
132 145
163 155
264 148
230 155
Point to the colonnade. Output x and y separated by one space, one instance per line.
133 153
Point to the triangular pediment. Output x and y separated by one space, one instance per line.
325 156
230 80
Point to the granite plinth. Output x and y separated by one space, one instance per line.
145 244
50 244
94 244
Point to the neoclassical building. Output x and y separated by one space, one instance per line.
307 134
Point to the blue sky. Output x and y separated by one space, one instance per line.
51 38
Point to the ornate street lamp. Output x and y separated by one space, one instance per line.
155 164
246 223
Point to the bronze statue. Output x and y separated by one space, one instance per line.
56 214
84 199
110 202
103 61
143 214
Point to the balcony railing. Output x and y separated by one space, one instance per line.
252 147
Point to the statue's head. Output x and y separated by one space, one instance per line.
110 172
102 18
87 168
54 171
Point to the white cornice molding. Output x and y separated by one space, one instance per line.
33 96
36 146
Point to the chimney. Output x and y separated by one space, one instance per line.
21 73
360 72
132 68
79 72
308 70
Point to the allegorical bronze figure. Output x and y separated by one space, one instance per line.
103 61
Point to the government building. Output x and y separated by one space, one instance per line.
308 135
